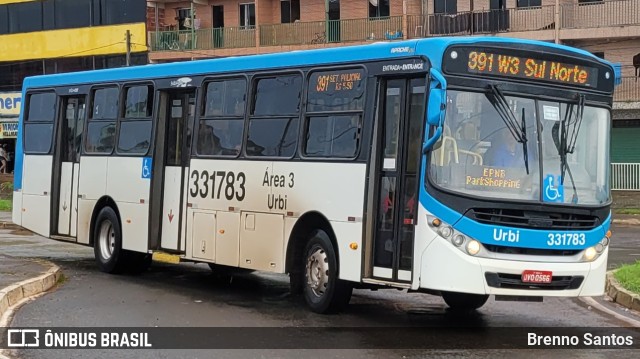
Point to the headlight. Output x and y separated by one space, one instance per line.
446 231
473 247
590 254
458 240
599 247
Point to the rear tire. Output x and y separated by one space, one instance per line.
107 242
464 302
323 291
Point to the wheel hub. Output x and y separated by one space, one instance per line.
107 240
317 272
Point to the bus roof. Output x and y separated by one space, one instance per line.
325 56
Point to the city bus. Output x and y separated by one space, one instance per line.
459 167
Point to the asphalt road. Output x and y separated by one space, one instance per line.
625 245
189 295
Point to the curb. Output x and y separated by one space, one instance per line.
632 221
620 295
13 294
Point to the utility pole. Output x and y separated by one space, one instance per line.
128 40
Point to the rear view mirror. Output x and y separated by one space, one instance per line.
435 102
436 107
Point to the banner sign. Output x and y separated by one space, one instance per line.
8 129
10 103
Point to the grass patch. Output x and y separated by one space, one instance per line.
629 276
627 211
6 204
61 279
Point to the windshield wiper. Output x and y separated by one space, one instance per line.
568 138
519 132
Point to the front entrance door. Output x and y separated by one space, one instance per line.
67 164
401 124
175 118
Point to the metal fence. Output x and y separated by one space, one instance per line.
600 13
202 39
625 176
320 32
628 90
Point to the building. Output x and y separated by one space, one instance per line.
183 30
54 36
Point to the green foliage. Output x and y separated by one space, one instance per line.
629 276
6 205
6 186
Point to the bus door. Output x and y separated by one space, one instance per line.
171 159
66 169
400 124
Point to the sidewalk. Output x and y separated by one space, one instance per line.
6 222
22 278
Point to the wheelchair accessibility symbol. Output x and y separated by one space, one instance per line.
146 167
553 190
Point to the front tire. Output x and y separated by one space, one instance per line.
323 291
464 302
107 242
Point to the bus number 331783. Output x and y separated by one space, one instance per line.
205 184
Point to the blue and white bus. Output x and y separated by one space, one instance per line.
462 167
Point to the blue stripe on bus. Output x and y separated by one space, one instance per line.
526 238
18 160
434 47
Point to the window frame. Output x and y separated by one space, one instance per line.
241 11
529 6
302 141
444 4
251 103
377 16
53 122
200 114
90 118
291 12
122 113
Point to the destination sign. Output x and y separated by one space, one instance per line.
493 63
338 81
531 65
336 90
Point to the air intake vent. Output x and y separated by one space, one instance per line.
533 219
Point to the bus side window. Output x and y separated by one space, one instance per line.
222 122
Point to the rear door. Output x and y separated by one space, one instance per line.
71 118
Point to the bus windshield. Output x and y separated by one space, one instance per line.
523 149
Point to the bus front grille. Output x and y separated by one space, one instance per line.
533 219
514 281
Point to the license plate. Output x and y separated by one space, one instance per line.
536 276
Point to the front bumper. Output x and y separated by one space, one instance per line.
445 268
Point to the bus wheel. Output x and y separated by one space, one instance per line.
107 242
323 291
464 302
